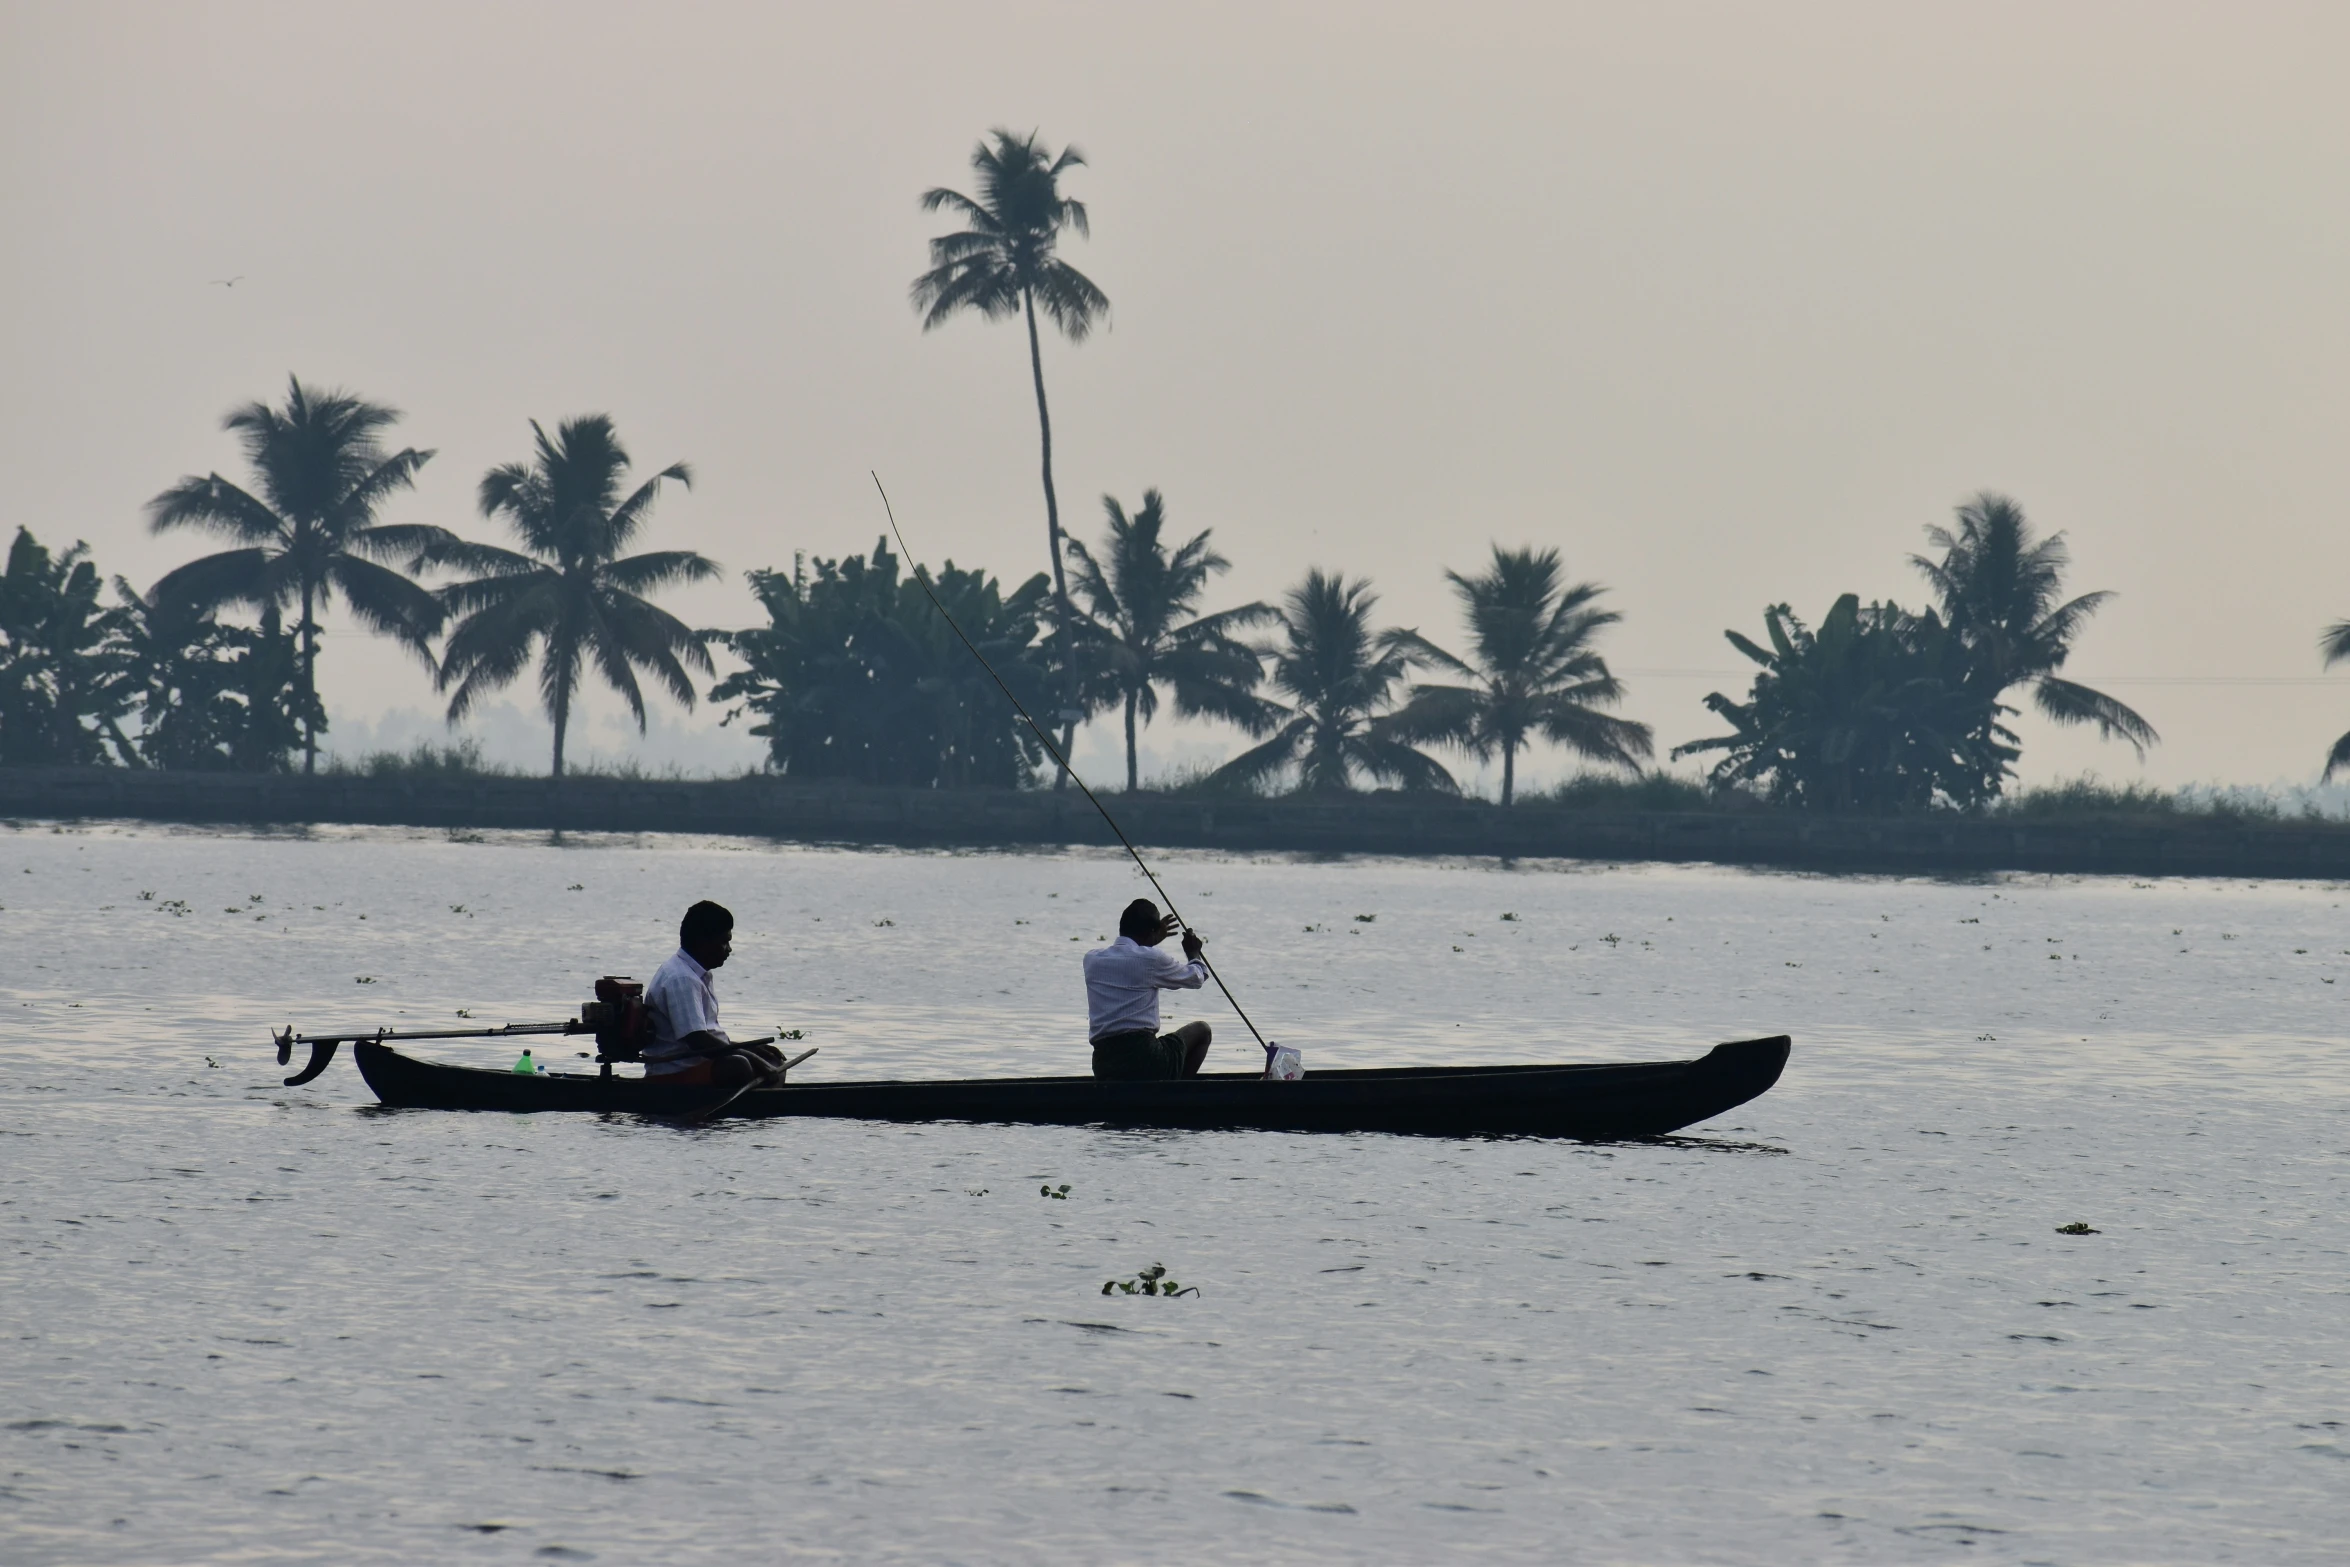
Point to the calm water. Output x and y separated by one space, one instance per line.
253 1324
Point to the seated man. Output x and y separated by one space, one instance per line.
688 1045
1122 985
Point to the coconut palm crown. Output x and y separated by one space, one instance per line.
1340 676
1532 671
1141 632
2001 595
309 534
1006 261
570 598
2335 645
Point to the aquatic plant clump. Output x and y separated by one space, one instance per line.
1152 1280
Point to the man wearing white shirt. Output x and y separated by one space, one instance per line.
1122 985
688 1045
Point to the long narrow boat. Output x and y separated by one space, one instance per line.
1599 1103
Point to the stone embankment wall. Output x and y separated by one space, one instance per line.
1363 824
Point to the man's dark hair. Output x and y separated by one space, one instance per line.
705 921
1140 921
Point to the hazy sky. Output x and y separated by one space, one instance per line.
1727 302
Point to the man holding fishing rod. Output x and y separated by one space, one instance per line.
1122 985
1123 979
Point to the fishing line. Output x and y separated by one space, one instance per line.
1054 752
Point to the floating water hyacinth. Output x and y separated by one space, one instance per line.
1366 919
1152 1280
2077 1228
1061 1195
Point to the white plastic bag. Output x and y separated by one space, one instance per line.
1284 1065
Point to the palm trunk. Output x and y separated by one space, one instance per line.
562 717
1052 512
1131 777
1509 771
309 685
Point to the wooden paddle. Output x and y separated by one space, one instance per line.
712 1110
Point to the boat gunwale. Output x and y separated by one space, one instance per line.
1336 1075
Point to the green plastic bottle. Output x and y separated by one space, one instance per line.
526 1065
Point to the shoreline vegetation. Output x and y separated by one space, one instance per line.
2083 798
2082 827
1871 711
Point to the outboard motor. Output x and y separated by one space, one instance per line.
622 1025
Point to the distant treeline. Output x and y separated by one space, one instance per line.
856 676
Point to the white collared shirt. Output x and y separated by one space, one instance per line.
1123 981
681 1001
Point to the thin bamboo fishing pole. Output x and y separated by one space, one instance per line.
1054 752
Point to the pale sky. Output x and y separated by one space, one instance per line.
1726 302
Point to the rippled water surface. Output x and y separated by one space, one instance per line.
257 1324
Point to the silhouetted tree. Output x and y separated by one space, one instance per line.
571 600
1005 260
1140 632
62 687
856 676
322 472
1532 671
2335 644
1340 676
2002 595
1872 712
211 696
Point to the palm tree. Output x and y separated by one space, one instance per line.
311 533
1340 674
1534 671
2335 644
571 599
1005 260
1999 592
1141 633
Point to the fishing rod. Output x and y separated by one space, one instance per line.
1054 752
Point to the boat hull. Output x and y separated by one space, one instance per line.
1599 1103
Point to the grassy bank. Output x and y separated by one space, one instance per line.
1582 825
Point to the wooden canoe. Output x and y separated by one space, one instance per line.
1599 1103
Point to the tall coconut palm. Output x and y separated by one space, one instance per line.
1142 633
572 600
1340 676
2000 592
1005 260
322 472
1534 671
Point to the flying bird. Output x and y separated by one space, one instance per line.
229 282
